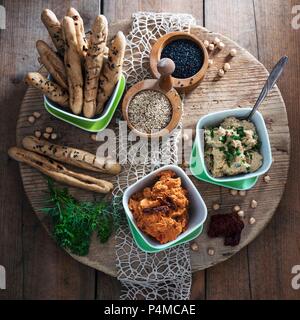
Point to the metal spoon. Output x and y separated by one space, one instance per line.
273 77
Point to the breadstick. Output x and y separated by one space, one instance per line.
93 64
80 34
52 90
73 66
52 63
75 157
55 30
58 172
111 71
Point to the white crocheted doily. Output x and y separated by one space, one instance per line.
167 274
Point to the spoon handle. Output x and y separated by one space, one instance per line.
273 77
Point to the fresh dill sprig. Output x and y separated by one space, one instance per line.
74 221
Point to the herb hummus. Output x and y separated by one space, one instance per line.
232 148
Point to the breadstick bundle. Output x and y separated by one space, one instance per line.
84 72
58 172
47 158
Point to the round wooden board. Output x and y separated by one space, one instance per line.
239 87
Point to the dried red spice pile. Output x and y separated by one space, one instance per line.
229 226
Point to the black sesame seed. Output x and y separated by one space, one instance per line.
187 56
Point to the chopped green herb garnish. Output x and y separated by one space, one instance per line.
248 154
240 131
231 153
223 139
236 145
257 146
229 157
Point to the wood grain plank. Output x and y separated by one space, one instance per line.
235 19
50 273
123 9
11 94
36 267
108 288
273 254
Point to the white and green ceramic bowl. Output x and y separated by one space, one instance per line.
240 181
94 124
144 246
197 212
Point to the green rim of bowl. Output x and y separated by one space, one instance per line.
91 125
197 171
147 248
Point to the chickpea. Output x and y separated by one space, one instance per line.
252 220
227 66
221 73
253 204
233 52
216 206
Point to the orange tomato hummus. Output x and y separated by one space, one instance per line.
161 211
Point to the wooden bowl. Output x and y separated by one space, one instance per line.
164 85
184 84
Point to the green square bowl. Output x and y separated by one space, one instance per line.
144 246
94 124
241 181
197 170
197 211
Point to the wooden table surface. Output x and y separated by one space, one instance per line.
36 267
